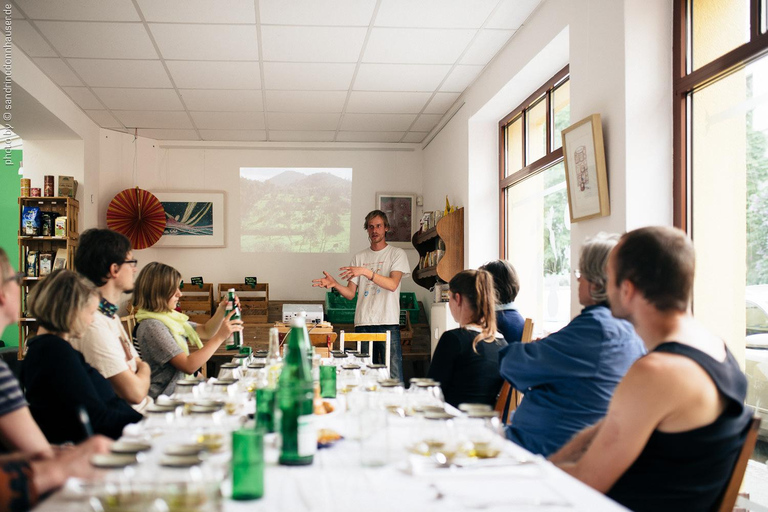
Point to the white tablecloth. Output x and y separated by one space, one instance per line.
336 482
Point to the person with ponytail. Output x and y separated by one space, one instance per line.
568 377
466 360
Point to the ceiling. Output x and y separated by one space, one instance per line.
266 70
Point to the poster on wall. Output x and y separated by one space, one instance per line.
193 219
585 173
399 209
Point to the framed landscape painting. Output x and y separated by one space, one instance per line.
400 210
193 219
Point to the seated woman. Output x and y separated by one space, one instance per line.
509 321
59 383
466 360
568 377
163 334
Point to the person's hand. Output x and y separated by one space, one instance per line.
351 272
229 326
223 304
51 473
326 282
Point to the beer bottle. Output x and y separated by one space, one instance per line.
294 413
235 340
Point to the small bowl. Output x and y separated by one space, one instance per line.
180 461
113 460
184 450
130 447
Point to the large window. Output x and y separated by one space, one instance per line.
535 228
721 172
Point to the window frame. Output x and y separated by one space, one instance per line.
686 82
551 157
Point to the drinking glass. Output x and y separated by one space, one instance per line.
374 437
247 464
328 381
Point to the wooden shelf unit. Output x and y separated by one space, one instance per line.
449 230
64 206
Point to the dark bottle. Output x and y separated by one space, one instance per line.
235 340
294 414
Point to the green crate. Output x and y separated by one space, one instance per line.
339 310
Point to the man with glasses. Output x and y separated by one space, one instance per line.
105 258
568 377
35 467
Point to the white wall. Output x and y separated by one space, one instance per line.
619 53
209 168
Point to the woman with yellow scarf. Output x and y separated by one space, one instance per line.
164 334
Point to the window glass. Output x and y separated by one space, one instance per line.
514 134
539 246
718 26
561 113
536 131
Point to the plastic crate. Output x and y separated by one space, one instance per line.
339 310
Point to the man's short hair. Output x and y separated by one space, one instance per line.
505 280
660 262
374 214
97 251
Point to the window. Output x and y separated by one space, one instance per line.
721 171
535 224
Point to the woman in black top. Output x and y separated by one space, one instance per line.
466 360
59 383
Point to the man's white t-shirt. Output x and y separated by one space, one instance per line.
106 346
375 305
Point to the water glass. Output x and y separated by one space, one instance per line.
229 371
265 409
247 464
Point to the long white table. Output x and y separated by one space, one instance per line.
336 481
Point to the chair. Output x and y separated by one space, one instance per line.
360 337
509 398
129 324
734 483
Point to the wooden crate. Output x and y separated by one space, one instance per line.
197 303
254 301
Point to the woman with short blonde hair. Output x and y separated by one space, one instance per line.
164 334
60 384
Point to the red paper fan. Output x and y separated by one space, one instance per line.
138 215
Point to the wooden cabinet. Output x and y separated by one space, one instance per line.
49 245
448 237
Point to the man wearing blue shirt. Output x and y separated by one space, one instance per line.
568 377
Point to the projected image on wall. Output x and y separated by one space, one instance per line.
295 209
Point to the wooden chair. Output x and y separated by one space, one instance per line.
360 337
734 483
509 398
129 322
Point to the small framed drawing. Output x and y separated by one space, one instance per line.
399 209
193 219
585 174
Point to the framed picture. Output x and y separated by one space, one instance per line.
399 209
585 173
193 219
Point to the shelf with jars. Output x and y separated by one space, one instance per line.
48 237
441 250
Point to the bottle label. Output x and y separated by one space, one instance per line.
307 434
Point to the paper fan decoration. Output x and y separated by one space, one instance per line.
138 215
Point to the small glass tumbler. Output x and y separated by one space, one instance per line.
265 409
247 464
328 381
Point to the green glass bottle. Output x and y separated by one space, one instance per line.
235 341
294 417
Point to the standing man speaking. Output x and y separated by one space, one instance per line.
376 272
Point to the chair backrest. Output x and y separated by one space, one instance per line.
737 475
129 324
509 398
361 337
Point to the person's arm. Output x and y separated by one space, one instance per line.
443 360
328 282
209 329
559 355
575 448
641 401
20 433
190 363
132 387
51 474
389 283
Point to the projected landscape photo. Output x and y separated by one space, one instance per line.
303 210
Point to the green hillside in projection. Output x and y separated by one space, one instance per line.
295 212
